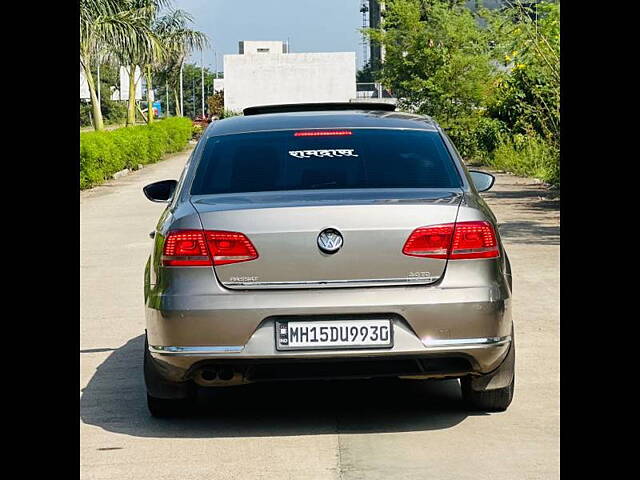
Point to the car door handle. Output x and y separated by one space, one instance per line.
152 234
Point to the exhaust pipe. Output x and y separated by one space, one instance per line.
226 373
209 374
222 376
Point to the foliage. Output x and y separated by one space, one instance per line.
527 97
196 131
192 90
229 113
215 103
114 112
108 27
528 156
365 74
437 59
133 33
485 76
179 41
106 152
85 115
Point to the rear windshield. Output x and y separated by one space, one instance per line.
311 160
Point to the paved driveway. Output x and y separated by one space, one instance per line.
322 430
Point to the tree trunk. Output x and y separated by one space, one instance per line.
96 112
177 98
149 102
131 110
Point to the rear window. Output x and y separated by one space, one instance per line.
311 160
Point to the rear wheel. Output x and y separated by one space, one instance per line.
477 392
497 400
165 398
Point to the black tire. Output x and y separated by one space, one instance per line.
497 400
167 408
183 394
476 394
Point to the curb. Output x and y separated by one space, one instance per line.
126 171
119 174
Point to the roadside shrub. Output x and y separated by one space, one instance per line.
462 132
104 153
85 115
475 136
528 155
113 111
489 133
196 131
229 113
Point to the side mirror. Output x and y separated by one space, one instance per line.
482 180
160 191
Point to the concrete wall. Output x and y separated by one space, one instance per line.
252 80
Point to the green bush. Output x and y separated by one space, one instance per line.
85 115
475 136
196 131
104 153
528 155
229 113
114 112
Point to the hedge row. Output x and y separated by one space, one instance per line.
104 153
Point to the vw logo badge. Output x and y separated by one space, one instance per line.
329 240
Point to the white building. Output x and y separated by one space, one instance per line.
249 47
84 86
123 93
218 84
260 77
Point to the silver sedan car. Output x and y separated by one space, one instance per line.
326 241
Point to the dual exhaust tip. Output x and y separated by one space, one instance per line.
215 375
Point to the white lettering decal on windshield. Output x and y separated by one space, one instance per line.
343 152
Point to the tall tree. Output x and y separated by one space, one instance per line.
114 25
134 55
179 41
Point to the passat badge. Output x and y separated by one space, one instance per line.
329 240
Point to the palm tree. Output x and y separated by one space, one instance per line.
135 56
178 41
115 25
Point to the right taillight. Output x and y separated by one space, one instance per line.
459 241
197 248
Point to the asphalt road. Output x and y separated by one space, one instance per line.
319 430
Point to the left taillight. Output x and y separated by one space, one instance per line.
455 241
196 248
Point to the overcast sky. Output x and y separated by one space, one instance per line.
310 25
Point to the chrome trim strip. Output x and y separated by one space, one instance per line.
433 343
430 344
359 282
187 351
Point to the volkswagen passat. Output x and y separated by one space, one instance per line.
326 241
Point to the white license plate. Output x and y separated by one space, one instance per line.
329 334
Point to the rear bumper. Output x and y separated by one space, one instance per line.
187 330
447 360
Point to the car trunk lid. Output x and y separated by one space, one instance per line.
284 228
